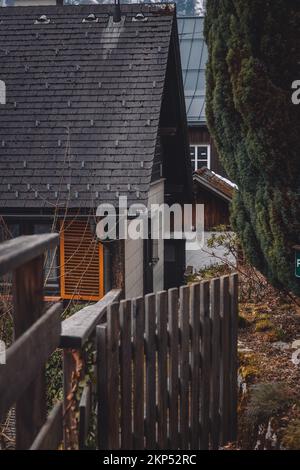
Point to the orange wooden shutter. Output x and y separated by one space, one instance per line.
81 262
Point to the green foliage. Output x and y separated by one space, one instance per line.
54 379
253 59
291 438
267 400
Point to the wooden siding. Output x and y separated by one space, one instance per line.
81 261
200 135
216 210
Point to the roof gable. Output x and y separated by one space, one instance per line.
83 103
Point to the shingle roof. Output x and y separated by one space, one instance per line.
216 183
83 103
193 51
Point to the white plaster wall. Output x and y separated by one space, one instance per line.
157 196
201 258
134 269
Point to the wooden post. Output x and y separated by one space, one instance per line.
150 330
205 365
162 345
72 370
233 286
113 378
184 365
195 365
174 377
126 375
138 320
102 390
225 354
28 284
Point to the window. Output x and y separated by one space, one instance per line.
200 156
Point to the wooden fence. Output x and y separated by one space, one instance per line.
167 369
166 362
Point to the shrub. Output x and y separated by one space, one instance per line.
267 400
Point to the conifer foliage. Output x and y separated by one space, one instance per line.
253 61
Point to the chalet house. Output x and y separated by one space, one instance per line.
94 110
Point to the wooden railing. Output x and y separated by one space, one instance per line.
77 330
37 335
167 368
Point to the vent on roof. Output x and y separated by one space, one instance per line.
140 17
117 12
43 19
91 18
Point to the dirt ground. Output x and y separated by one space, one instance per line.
269 375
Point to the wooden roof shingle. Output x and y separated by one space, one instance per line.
83 103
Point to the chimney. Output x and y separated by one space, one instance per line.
117 12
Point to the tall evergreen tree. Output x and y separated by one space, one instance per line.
253 60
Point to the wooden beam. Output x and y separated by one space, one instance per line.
50 435
78 328
25 358
85 411
21 250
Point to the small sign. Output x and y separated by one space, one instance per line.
297 261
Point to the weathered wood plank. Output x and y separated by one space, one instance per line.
150 343
70 375
138 319
173 314
24 360
195 365
50 436
162 347
85 411
21 250
102 387
215 364
233 288
225 356
113 375
77 329
205 365
184 319
126 375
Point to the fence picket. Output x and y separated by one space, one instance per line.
225 354
205 365
102 391
138 319
233 288
174 376
162 347
184 365
195 364
113 330
150 330
126 374
215 364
